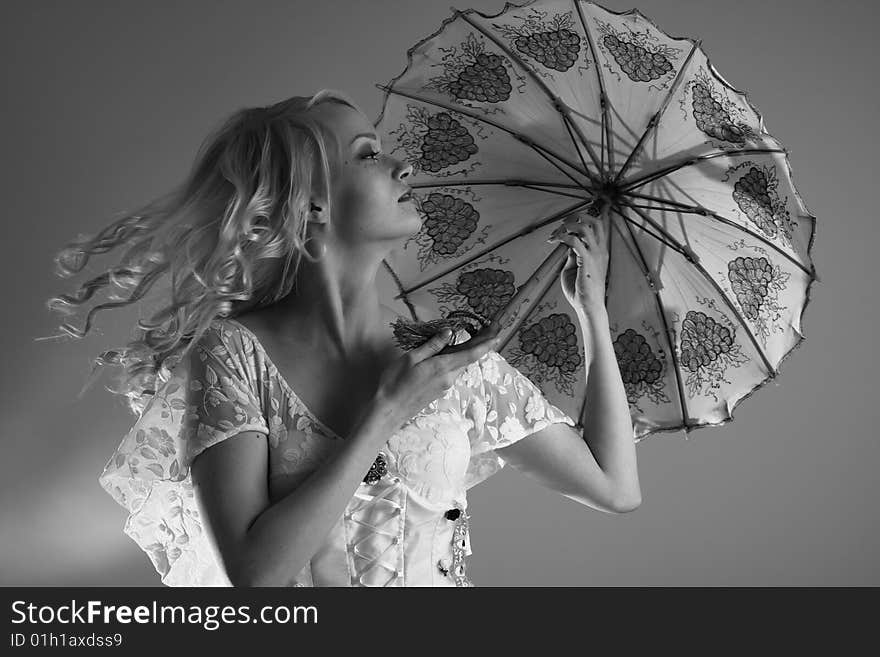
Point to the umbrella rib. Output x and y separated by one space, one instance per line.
500 181
656 294
650 177
537 186
512 329
652 124
540 150
568 127
694 260
603 98
560 106
410 307
550 191
701 210
524 231
666 239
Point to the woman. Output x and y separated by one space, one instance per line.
269 384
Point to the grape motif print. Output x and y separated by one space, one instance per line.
714 114
435 142
708 348
449 224
756 283
548 351
755 195
554 44
638 55
643 372
485 291
473 75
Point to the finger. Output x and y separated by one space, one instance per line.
601 225
472 350
434 345
578 247
488 332
596 229
587 232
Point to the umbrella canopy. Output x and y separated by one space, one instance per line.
514 121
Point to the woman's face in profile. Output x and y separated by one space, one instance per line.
367 184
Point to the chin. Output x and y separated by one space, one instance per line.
415 221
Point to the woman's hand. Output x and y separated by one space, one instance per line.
583 277
422 375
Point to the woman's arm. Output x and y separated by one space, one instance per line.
598 469
268 545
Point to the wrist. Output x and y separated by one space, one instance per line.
380 416
593 316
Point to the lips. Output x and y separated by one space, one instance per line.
406 197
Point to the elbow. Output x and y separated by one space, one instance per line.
625 504
243 575
244 579
251 580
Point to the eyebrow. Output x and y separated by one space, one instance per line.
370 135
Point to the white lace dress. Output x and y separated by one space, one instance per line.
408 527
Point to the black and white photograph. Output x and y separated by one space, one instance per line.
546 294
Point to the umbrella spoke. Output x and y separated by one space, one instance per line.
510 182
524 231
548 270
650 177
668 240
543 151
694 260
699 209
603 98
568 126
548 191
643 265
560 106
652 124
537 186
402 295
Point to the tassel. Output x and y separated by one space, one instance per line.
410 335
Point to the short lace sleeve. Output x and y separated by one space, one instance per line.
504 406
208 398
220 398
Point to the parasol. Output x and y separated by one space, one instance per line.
517 121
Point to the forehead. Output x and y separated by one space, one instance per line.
341 123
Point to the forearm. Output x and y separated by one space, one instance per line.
287 534
607 425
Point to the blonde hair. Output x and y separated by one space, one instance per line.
229 238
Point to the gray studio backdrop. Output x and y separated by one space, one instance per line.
105 105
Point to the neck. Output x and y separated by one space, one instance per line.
334 306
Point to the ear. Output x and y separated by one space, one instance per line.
318 212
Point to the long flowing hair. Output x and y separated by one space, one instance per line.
229 238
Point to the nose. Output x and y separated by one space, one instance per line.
403 169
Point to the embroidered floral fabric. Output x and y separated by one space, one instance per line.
408 527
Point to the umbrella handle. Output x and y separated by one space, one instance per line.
537 283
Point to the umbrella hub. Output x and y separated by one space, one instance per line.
609 193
